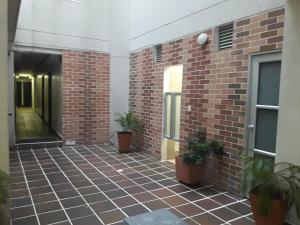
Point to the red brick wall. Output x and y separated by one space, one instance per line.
214 84
86 96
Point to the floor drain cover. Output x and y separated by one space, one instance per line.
158 217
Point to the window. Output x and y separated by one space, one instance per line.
157 53
225 36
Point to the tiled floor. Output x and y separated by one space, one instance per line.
30 126
93 185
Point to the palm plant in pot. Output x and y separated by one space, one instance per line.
129 123
190 164
275 188
4 182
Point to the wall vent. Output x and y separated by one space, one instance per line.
225 36
157 53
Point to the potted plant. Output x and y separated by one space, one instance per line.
275 188
4 215
190 164
129 123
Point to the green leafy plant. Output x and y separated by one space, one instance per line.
4 183
199 148
128 121
273 181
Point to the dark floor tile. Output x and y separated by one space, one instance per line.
71 202
44 198
192 196
190 222
156 204
108 187
32 220
207 219
18 186
207 204
112 216
47 207
89 220
40 190
207 192
240 208
134 210
62 187
39 183
144 197
167 182
52 217
115 193
162 193
81 184
151 186
125 183
179 188
63 223
57 178
17 202
22 212
225 214
189 210
79 211
88 190
175 201
242 221
125 201
98 197
223 199
134 189
19 194
103 206
67 194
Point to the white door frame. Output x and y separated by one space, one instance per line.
11 99
255 60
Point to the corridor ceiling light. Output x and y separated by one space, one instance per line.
25 75
202 39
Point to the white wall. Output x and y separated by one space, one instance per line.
61 24
158 21
119 64
4 153
288 142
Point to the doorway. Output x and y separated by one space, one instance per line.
172 110
264 104
37 107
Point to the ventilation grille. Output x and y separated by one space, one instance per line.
157 53
225 36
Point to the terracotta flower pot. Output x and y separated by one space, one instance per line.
124 139
276 213
188 174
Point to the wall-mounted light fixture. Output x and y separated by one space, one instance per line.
202 39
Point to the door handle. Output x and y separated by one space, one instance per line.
251 126
10 114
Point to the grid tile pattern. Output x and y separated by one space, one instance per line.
96 185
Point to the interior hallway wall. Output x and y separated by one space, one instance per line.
38 95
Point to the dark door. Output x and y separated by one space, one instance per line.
18 94
27 94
